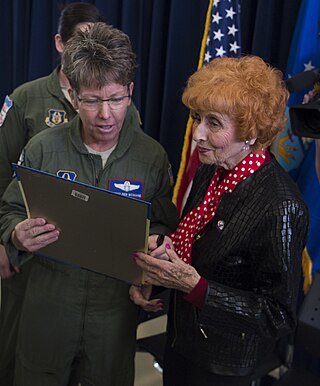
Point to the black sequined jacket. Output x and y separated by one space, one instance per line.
250 253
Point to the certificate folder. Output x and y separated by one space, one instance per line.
99 229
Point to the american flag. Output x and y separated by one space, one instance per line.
221 38
224 34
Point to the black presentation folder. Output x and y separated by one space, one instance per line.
100 229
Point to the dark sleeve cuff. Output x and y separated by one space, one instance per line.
198 295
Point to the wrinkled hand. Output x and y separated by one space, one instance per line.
5 271
140 296
33 234
173 273
161 251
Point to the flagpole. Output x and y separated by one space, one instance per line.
186 143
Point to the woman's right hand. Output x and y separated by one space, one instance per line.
33 234
173 273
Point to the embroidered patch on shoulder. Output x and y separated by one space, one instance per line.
67 175
7 104
133 189
56 117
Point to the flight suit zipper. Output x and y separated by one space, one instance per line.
94 169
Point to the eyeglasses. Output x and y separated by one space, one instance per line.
95 104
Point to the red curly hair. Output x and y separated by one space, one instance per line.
248 90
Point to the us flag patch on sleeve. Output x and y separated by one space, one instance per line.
7 104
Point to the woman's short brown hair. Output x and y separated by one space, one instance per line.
98 55
248 90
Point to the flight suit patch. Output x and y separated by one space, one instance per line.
7 104
67 175
132 189
55 117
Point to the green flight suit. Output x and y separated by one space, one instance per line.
71 314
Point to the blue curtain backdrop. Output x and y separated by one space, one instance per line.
166 35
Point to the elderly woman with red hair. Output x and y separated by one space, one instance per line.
234 261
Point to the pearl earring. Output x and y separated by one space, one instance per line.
246 146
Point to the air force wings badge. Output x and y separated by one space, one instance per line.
133 189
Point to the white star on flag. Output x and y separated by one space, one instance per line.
207 57
232 30
308 66
234 47
218 35
230 13
220 51
216 18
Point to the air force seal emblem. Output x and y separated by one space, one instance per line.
132 189
56 117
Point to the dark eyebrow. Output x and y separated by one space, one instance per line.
114 95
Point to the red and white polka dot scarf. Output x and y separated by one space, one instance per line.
198 218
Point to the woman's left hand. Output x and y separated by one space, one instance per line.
140 296
173 273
